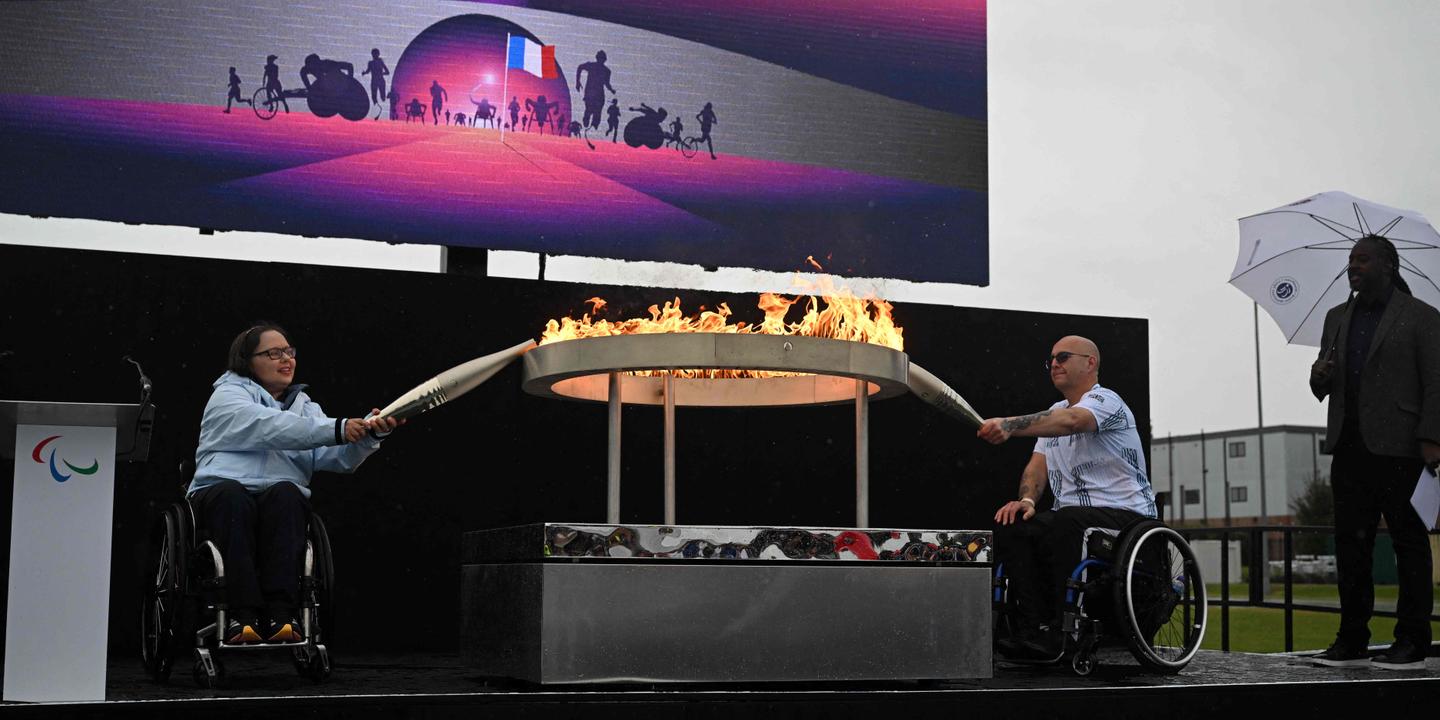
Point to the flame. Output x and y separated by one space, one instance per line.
836 313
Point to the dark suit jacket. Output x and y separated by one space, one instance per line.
1400 385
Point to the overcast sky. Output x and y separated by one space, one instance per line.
1125 140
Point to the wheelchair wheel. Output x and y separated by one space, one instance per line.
688 148
163 591
264 106
1160 606
323 613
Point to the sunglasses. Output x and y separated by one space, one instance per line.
1061 358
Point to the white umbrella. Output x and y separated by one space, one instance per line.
1293 258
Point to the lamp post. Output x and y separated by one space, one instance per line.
1204 482
1225 473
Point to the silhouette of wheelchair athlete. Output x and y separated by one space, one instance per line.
645 131
331 89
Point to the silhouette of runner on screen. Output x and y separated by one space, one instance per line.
438 96
707 120
234 95
377 71
612 120
596 83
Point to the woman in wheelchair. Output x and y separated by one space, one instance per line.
261 438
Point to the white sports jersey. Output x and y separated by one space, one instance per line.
1105 468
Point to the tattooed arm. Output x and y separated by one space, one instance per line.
1046 423
1032 488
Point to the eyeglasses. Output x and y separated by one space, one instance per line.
1061 358
277 353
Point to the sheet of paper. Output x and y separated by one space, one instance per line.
1426 498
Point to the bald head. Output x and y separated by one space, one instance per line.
1077 344
1080 369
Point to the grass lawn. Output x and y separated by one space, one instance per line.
1263 630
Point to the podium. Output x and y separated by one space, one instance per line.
57 617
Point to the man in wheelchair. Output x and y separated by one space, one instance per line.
1089 455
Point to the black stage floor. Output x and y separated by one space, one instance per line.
435 686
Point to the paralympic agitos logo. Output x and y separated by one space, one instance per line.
55 470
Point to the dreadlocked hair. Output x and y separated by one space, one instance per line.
1392 256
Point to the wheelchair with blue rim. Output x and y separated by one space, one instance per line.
1140 585
183 598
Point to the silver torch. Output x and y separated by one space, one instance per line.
453 383
933 390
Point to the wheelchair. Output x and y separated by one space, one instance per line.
183 591
1140 585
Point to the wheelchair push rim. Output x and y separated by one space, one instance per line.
1173 642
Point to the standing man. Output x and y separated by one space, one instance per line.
1090 456
1380 364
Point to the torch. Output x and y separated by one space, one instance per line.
452 383
933 390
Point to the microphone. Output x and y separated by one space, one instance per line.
145 385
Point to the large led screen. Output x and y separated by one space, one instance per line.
745 133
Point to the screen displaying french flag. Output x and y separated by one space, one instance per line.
532 57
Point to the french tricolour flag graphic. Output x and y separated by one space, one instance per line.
532 57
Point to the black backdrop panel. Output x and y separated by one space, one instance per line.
497 456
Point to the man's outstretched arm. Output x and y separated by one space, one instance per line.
1046 423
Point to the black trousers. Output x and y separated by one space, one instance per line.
1039 554
1368 487
261 537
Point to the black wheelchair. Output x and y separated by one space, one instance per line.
1140 585
183 592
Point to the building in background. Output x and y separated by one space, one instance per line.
1209 478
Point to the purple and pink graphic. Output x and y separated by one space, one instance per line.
55 473
459 65
481 133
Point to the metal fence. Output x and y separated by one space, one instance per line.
1256 537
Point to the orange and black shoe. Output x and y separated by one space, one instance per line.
283 631
242 632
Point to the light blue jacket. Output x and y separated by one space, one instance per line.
248 436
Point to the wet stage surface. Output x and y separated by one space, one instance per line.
436 685
251 675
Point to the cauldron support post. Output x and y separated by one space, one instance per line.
862 453
612 490
669 390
